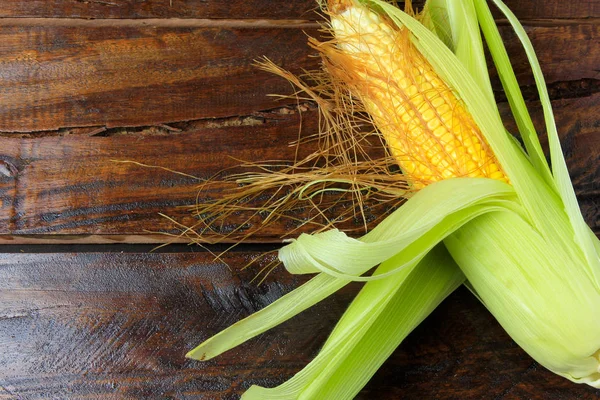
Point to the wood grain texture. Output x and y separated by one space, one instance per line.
83 83
94 325
263 9
60 75
61 186
107 73
578 9
567 52
80 190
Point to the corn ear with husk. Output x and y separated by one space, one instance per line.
484 209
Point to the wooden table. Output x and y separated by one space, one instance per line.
87 311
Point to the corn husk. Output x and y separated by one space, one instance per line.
524 248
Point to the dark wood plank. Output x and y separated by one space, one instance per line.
95 325
70 185
111 190
262 9
114 73
554 9
88 73
60 186
567 52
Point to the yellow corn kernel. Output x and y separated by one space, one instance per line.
427 128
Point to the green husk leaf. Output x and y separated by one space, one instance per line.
274 314
382 315
559 166
513 91
468 46
543 298
596 242
406 236
408 233
432 281
435 18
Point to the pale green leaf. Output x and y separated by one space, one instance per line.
381 316
512 90
409 232
541 296
275 313
559 166
406 236
435 18
468 46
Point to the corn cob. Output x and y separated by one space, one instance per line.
427 128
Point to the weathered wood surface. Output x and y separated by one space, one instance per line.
171 84
261 9
106 325
94 73
80 191
65 73
68 188
134 9
567 52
